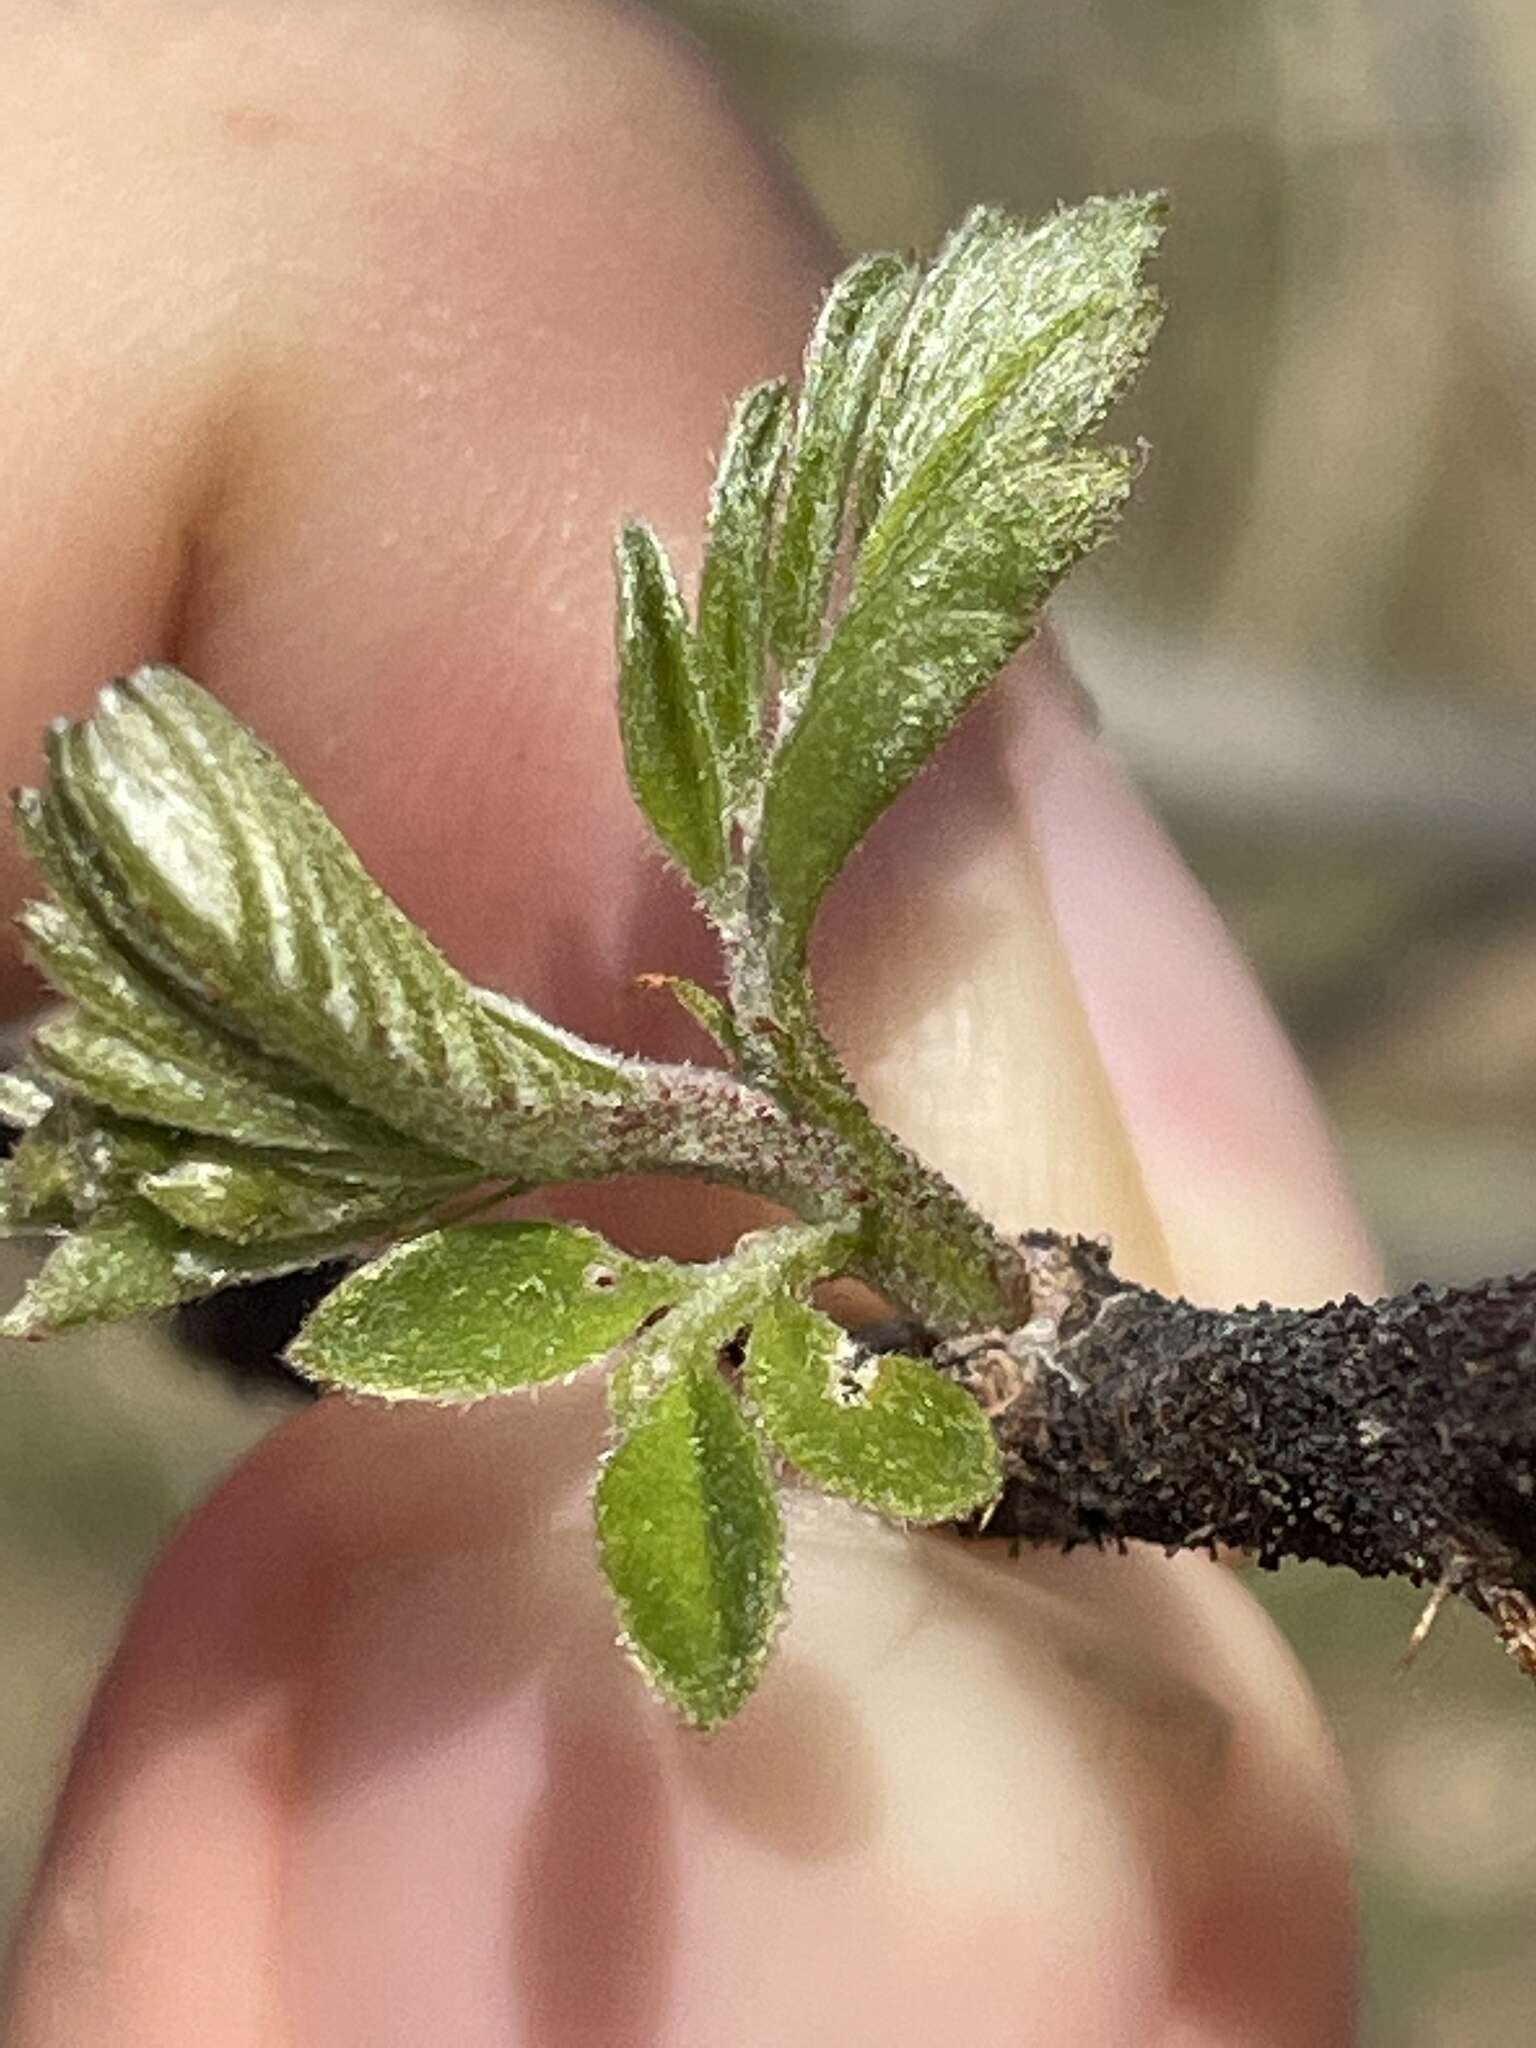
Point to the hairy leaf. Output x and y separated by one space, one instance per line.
455 1315
216 873
917 645
42 1175
707 1011
690 1539
880 1429
1050 321
131 1045
859 318
665 718
732 587
129 1260
252 1200
980 502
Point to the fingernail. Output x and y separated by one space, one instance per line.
1230 1141
1031 987
944 981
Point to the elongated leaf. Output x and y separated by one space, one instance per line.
456 1315
880 1429
42 1175
843 362
131 1046
732 587
665 716
217 872
129 1260
690 1539
93 1060
977 501
917 645
252 1200
707 1011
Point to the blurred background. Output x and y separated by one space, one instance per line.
1313 644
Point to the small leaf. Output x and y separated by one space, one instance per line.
218 877
42 1174
456 1315
251 1200
690 1539
670 749
721 1299
707 1011
130 1259
732 605
913 651
880 1429
858 321
979 505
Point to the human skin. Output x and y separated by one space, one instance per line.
334 346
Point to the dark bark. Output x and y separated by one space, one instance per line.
1395 1437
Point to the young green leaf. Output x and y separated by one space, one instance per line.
92 1060
915 648
671 751
41 1177
977 501
712 1016
732 586
880 1429
972 341
216 874
721 1299
252 1200
135 1045
129 1259
455 1315
690 1539
860 317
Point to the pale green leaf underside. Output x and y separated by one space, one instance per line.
215 873
882 1430
130 1260
456 1315
690 1539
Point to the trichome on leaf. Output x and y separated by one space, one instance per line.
261 1064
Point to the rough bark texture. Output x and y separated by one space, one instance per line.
1396 1437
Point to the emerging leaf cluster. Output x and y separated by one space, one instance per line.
261 1063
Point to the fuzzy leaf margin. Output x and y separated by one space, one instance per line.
876 1428
691 1543
457 1315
